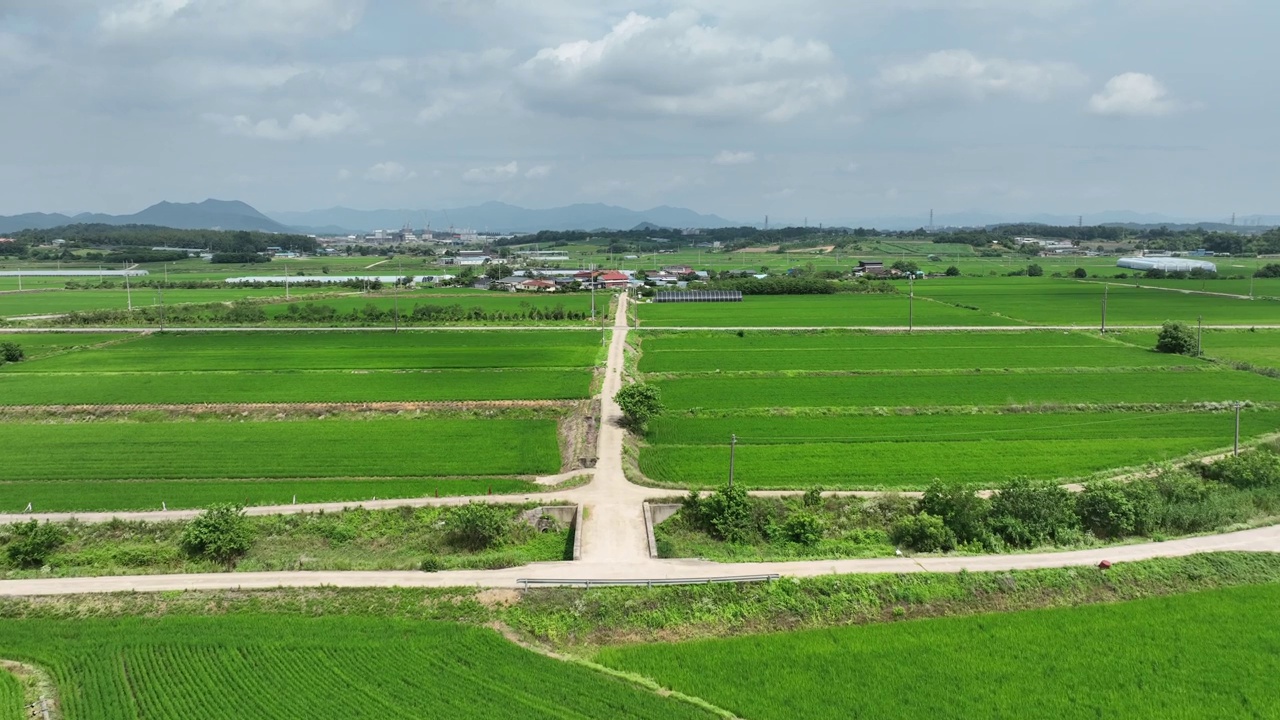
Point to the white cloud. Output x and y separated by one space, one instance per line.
959 75
729 157
344 175
230 18
678 66
492 175
538 172
300 126
389 172
1133 94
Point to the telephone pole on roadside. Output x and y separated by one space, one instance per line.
733 447
1236 451
1105 289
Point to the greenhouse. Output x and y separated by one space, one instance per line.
1167 264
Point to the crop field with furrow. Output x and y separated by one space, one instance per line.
1206 654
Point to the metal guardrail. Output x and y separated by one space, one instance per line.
589 583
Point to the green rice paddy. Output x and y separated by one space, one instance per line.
1207 654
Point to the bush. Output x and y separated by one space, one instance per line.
31 543
813 497
963 512
726 514
477 526
1248 470
221 533
1080 273
923 533
1110 509
639 403
1028 514
1270 270
804 527
952 271
11 352
1034 270
1176 338
431 564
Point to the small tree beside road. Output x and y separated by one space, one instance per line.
639 402
11 352
220 533
1177 339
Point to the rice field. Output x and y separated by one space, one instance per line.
11 698
50 302
984 388
1206 654
842 310
1256 347
1054 301
274 666
688 352
907 452
304 367
387 447
228 352
491 302
109 496
36 345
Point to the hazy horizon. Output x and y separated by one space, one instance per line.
832 111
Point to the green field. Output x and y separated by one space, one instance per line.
843 310
36 345
259 666
323 449
64 301
1208 654
11 698
257 352
513 304
1258 347
688 352
282 387
981 388
897 451
311 367
1052 301
87 496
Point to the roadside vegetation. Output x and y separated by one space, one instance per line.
223 538
728 525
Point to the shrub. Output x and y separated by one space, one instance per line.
1176 338
963 512
1270 270
923 533
431 564
1034 270
221 533
11 352
1248 470
1080 273
726 513
477 526
953 271
1028 514
804 527
31 543
639 403
813 497
1110 509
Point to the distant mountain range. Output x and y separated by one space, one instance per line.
207 215
499 217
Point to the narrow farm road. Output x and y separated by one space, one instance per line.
1114 327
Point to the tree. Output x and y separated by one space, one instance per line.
963 511
1270 270
11 352
905 266
32 543
221 533
1034 270
726 513
1177 339
1080 273
639 403
953 271
1248 470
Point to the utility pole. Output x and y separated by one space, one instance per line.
1105 289
593 291
1237 447
161 308
1199 333
733 447
128 292
911 303
286 281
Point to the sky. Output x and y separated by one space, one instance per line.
830 110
